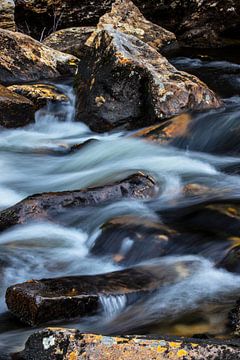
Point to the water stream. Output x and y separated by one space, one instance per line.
34 159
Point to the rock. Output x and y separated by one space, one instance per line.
7 14
129 84
127 18
40 94
38 301
234 319
71 41
167 131
24 59
15 110
231 262
45 344
49 205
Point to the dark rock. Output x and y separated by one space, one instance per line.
131 85
40 94
74 345
24 59
231 262
7 14
38 301
127 18
15 110
71 41
48 205
234 319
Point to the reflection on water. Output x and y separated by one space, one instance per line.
29 165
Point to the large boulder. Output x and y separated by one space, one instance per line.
129 84
7 14
15 110
70 41
127 18
49 205
40 94
25 59
46 344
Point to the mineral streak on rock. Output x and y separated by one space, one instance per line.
48 205
127 18
38 301
39 94
24 59
7 14
12 108
129 84
67 344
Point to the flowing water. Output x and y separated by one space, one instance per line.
35 159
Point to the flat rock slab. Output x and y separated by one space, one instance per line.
7 8
130 85
49 205
40 301
23 59
15 110
66 344
127 18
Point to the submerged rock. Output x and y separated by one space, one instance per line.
49 205
40 94
45 344
127 18
7 14
15 110
129 84
71 41
234 319
38 301
24 59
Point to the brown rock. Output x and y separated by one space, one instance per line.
48 205
129 84
39 94
15 110
24 59
71 41
7 14
38 301
127 18
46 343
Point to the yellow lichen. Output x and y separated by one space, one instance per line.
175 344
73 356
161 349
181 353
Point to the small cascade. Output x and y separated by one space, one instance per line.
113 305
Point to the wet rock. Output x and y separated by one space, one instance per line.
24 59
71 41
165 132
38 301
15 110
40 94
49 205
231 262
7 14
131 85
234 319
127 18
75 345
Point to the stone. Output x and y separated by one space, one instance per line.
49 205
40 94
127 18
46 344
7 14
38 301
71 41
130 85
231 262
234 319
15 110
23 59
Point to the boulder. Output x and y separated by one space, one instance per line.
15 110
49 205
38 301
7 14
129 84
234 319
127 18
24 59
231 262
45 344
40 94
71 41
